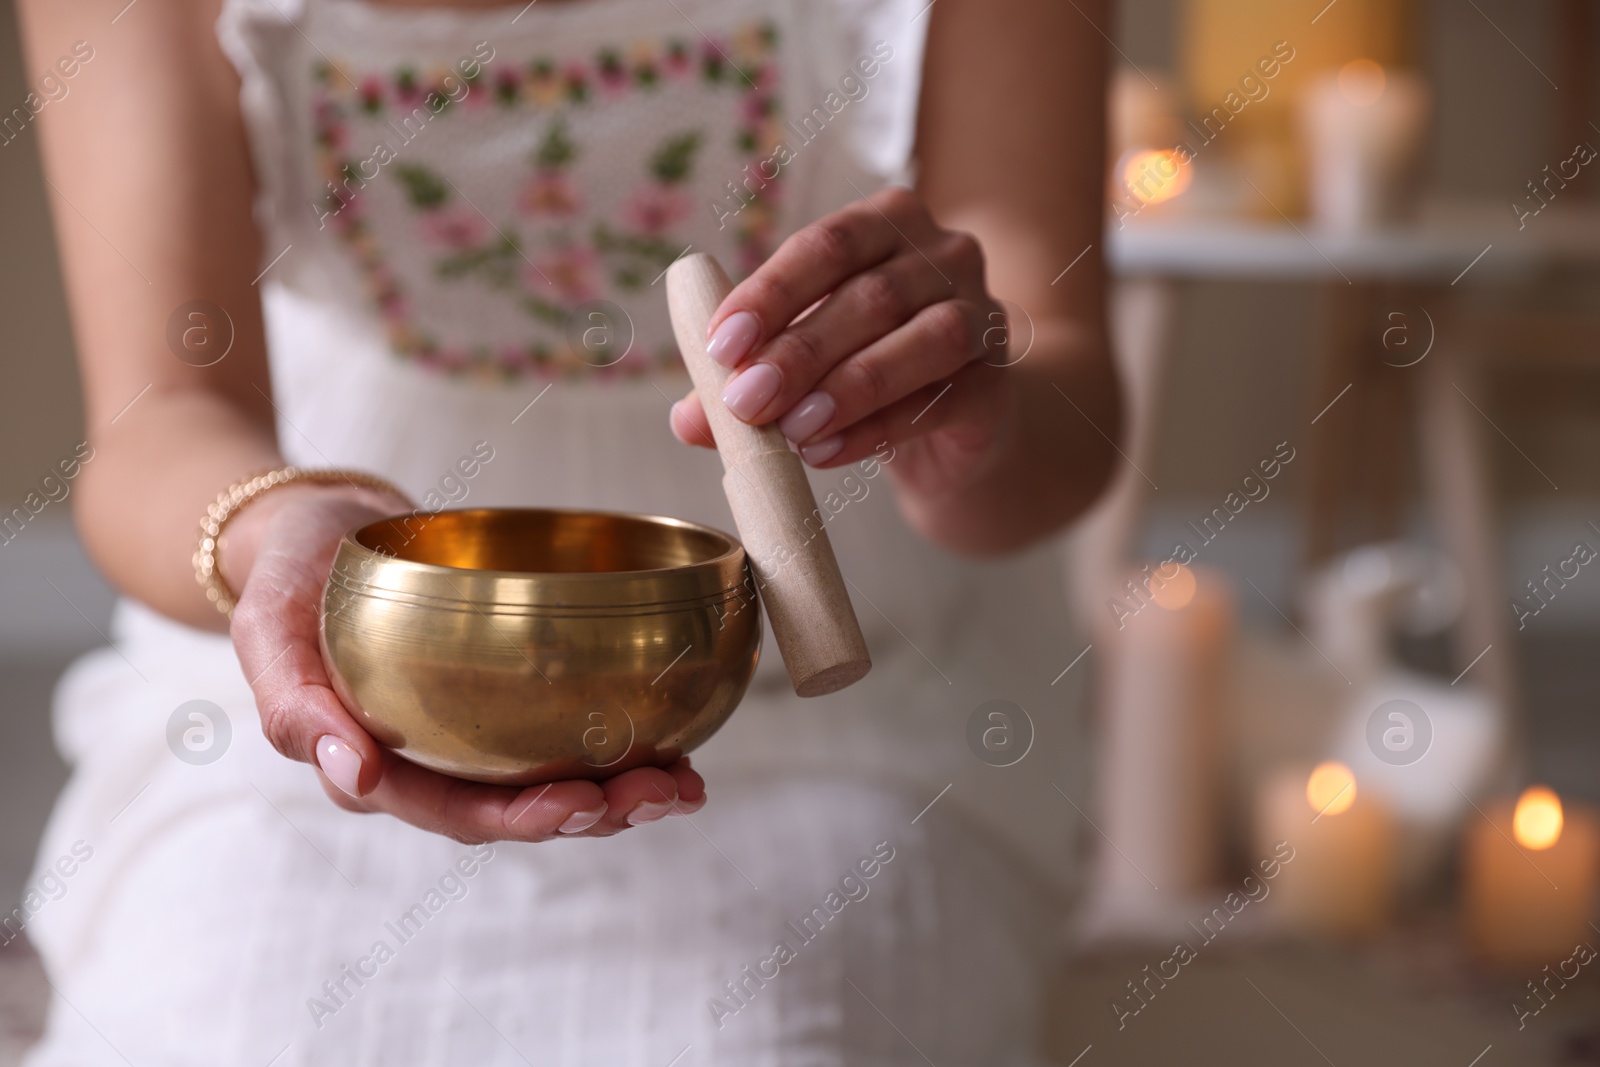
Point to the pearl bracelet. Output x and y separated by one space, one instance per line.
233 499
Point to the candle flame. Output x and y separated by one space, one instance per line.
1155 176
1361 82
1331 789
1537 822
1172 586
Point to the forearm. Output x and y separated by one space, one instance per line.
171 225
1010 80
140 499
1054 462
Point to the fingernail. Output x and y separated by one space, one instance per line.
580 821
734 338
751 390
648 811
823 450
808 416
340 763
688 807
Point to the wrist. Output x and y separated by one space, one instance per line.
241 540
961 461
986 495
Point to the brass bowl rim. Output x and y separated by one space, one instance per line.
575 590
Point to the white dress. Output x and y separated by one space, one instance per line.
519 172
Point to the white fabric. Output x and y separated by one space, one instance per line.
223 896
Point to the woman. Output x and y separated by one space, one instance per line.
377 239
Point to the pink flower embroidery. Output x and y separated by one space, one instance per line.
553 226
456 228
678 61
655 208
577 80
572 269
477 94
387 294
512 359
549 193
754 107
372 91
407 92
613 75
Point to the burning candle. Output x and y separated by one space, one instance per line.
1363 130
1153 175
1530 874
1167 642
1340 880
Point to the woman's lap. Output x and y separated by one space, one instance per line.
788 924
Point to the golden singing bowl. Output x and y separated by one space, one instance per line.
517 646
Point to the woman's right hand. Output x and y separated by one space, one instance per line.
284 544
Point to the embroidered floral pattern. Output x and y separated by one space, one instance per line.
553 250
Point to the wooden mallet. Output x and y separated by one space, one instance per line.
777 515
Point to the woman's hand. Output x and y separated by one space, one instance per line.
903 345
287 548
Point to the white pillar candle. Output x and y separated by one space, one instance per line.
1166 645
1363 129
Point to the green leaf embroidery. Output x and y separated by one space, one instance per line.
544 311
462 264
656 249
425 189
498 262
557 149
674 160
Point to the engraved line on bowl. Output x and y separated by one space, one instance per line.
508 640
557 611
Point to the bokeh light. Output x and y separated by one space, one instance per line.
1537 822
1155 175
1331 788
1172 586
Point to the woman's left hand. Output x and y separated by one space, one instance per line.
902 346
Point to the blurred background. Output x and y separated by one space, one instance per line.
1357 246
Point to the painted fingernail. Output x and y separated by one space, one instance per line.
751 390
808 416
648 811
580 821
688 807
734 338
340 763
823 450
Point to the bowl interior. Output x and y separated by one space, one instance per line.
541 541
